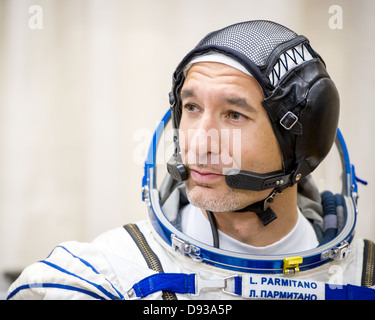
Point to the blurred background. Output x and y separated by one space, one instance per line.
83 84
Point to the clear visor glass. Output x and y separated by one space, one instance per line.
333 174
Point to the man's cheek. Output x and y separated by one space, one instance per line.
231 150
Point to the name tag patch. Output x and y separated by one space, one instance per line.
272 287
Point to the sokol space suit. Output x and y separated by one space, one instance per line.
157 259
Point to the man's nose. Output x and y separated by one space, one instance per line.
206 140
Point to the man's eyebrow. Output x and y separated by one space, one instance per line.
187 93
239 102
234 101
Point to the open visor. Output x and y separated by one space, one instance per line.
334 227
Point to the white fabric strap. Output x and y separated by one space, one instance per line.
219 58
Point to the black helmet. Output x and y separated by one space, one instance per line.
301 100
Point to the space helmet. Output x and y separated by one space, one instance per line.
301 101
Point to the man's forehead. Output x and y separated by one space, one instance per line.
231 84
215 71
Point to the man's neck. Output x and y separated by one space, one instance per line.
247 228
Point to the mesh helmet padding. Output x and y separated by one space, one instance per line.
264 36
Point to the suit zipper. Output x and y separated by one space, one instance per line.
151 258
368 264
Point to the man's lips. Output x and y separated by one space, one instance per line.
204 176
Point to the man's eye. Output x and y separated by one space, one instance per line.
236 115
190 107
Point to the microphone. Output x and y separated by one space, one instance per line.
234 178
176 168
247 180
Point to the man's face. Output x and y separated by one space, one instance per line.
224 125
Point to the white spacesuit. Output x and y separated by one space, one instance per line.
179 254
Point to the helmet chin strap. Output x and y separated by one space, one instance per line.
262 209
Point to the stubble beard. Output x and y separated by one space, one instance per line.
203 196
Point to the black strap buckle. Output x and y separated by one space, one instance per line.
289 120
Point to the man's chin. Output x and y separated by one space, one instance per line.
208 198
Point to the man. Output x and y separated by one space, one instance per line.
231 222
